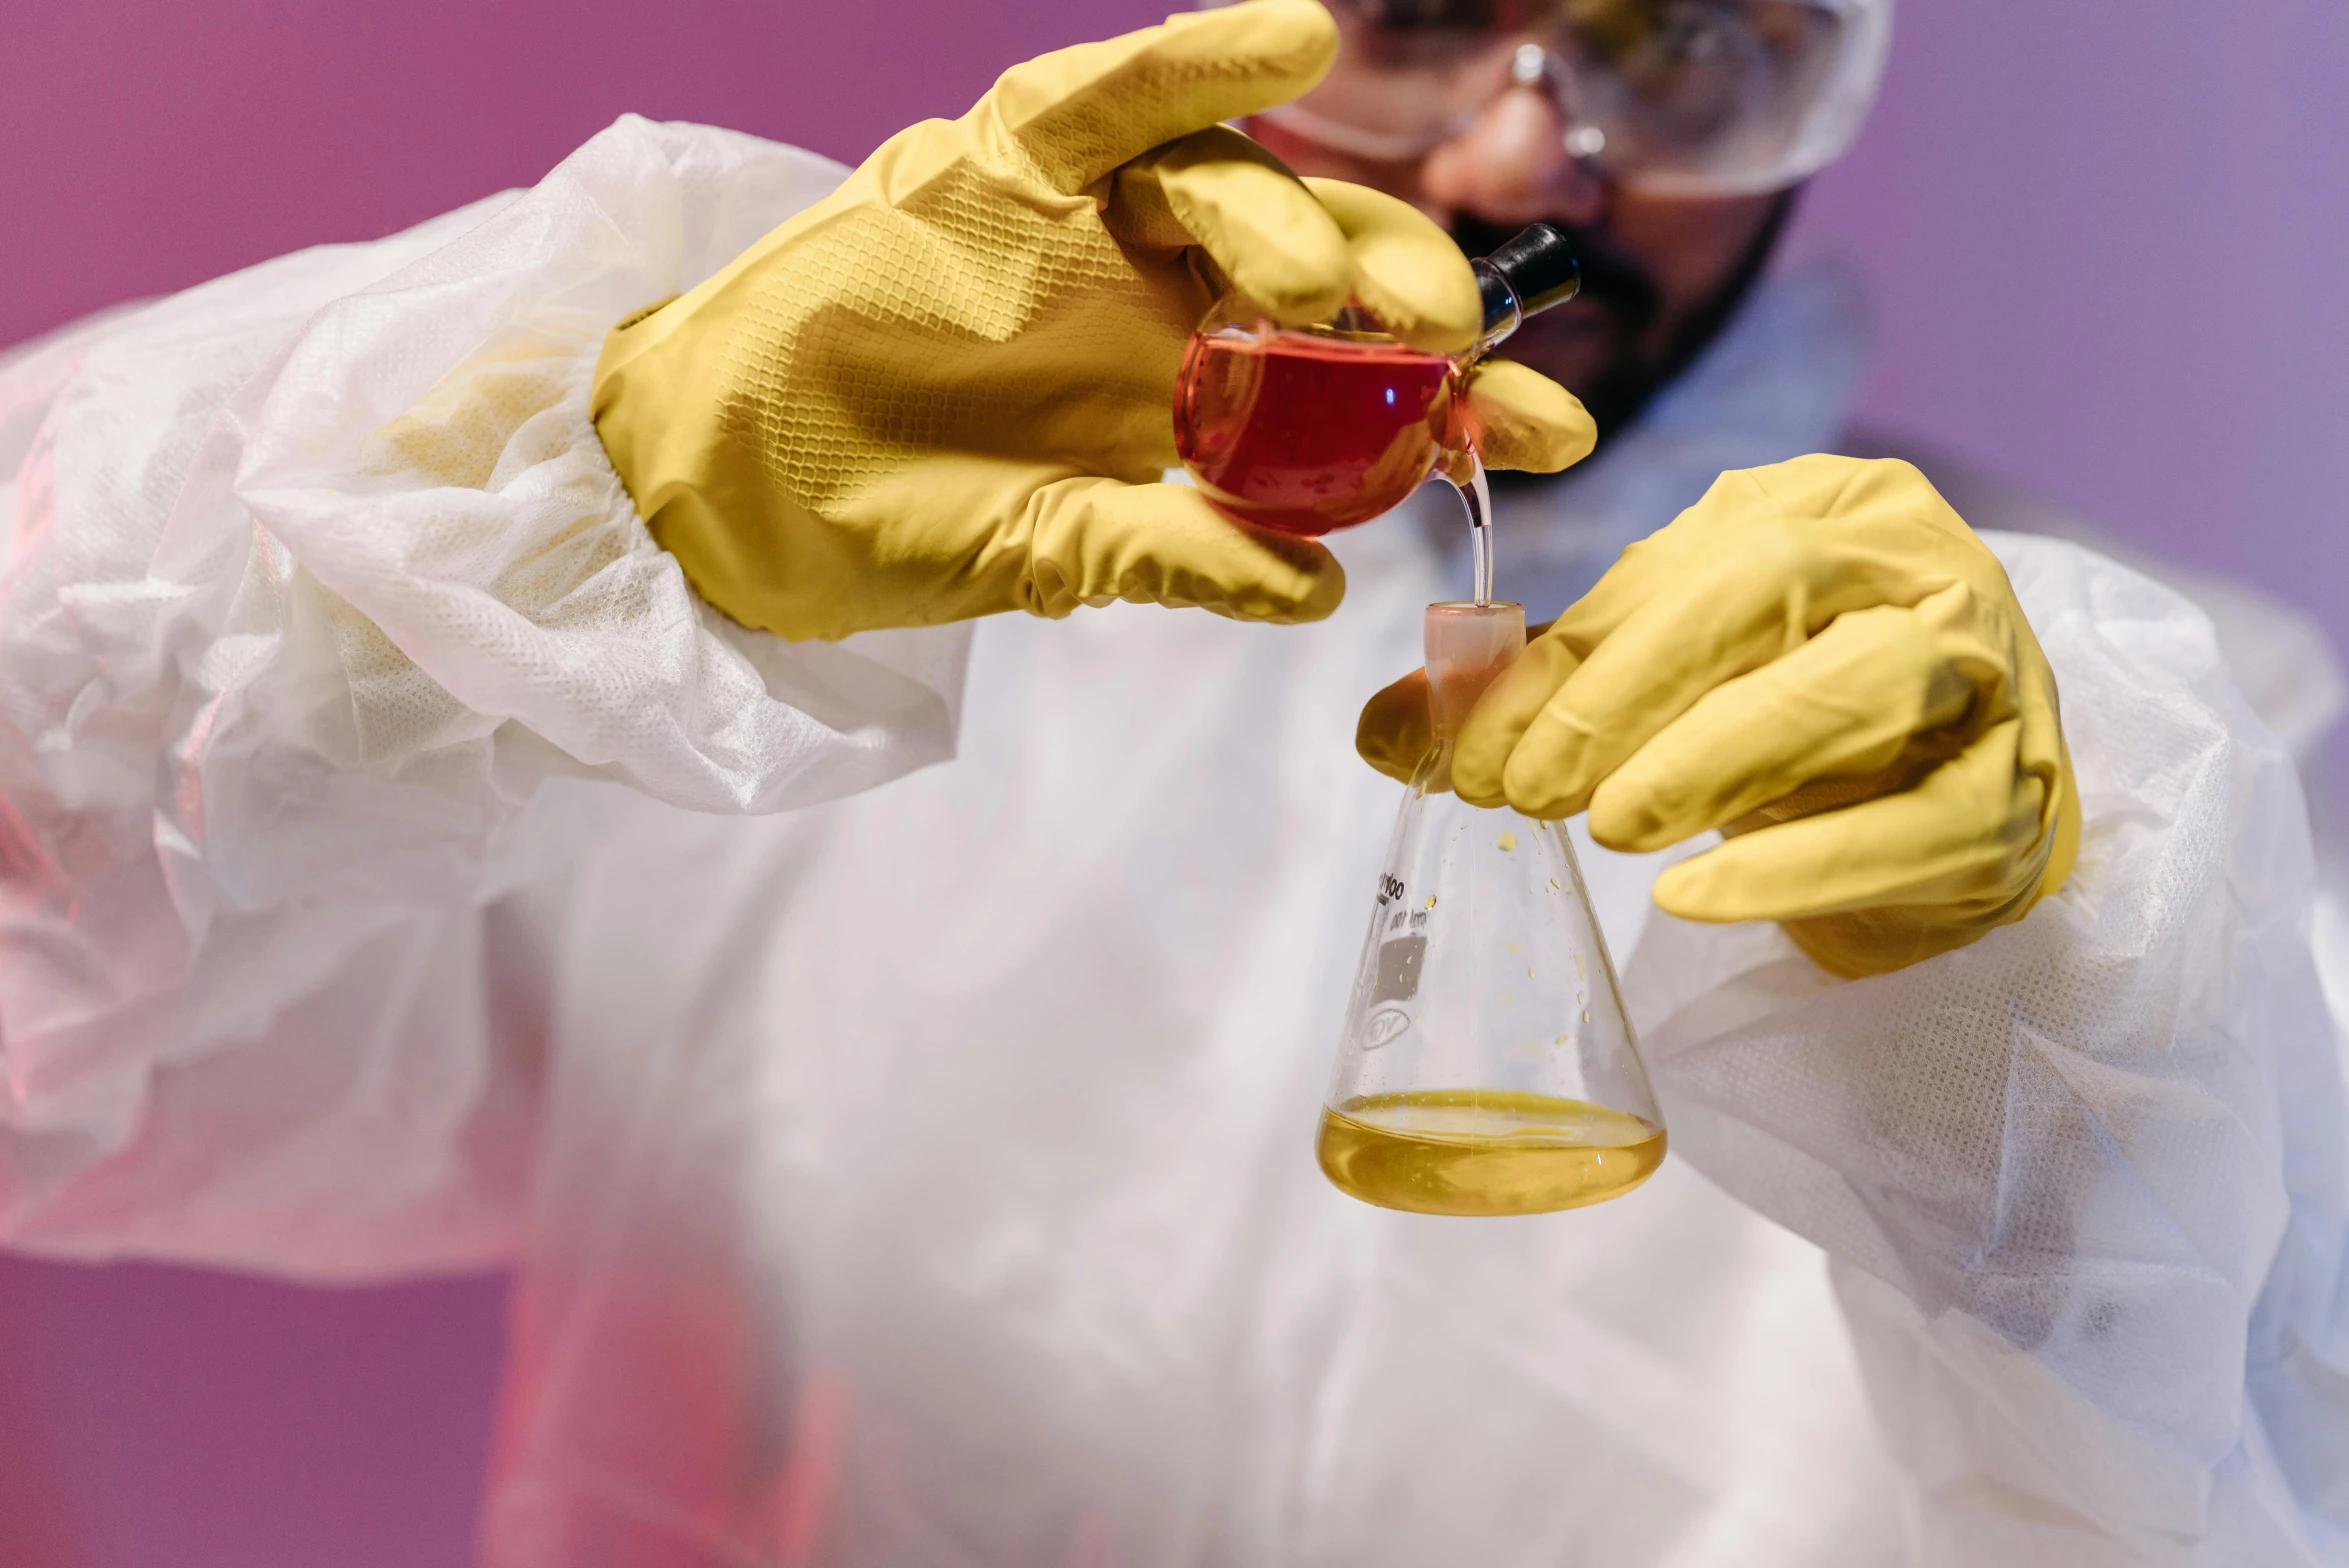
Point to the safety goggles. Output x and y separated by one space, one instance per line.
1676 97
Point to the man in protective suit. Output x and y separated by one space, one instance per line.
465 712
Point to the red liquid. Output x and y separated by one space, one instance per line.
1309 434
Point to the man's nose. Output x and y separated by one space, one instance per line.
1511 166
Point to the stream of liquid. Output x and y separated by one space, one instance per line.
1480 535
1485 1151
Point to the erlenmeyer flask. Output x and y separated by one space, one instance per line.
1487 1065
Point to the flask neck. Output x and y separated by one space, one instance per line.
1468 646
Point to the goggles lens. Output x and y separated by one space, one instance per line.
1695 95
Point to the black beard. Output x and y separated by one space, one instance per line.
1632 299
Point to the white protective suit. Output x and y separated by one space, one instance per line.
404 871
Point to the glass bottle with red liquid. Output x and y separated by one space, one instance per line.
1310 429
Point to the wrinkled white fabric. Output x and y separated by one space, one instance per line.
925 1177
315 572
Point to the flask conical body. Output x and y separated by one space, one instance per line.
1487 1065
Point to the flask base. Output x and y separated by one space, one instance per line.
1486 1152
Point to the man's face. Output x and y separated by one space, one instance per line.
1656 270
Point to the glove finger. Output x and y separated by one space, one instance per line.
1646 568
1759 593
1641 674
1521 419
1396 728
1092 541
1276 244
1078 113
1847 702
1510 705
1969 836
1407 271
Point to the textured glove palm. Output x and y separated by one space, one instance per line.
1822 660
946 389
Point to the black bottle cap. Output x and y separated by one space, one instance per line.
1541 267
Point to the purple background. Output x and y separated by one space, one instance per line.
2105 241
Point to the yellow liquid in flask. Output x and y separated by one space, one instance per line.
1485 1151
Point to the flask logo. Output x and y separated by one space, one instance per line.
1383 1026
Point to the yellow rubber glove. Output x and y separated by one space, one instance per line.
1821 659
946 389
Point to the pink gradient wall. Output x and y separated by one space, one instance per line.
2105 240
